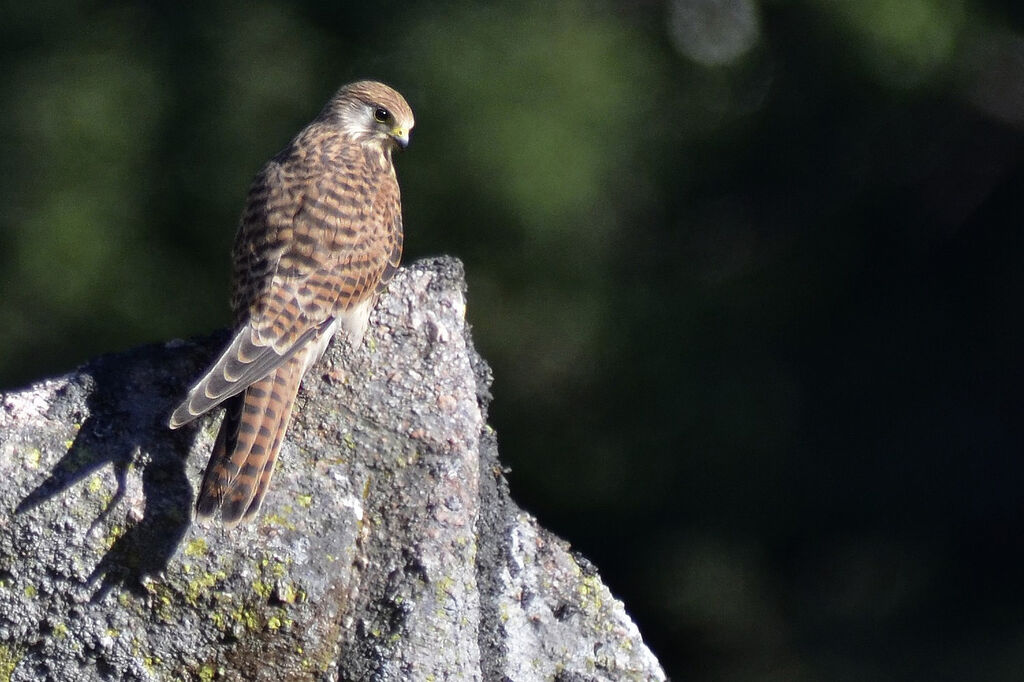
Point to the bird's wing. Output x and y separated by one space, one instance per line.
321 244
315 241
241 364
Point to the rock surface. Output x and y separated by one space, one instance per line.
387 548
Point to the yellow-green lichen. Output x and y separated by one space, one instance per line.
200 585
245 617
444 587
95 483
218 621
589 590
30 591
274 567
305 501
264 590
208 673
289 594
162 602
60 630
278 520
10 656
113 535
196 547
32 458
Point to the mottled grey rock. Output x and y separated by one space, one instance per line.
387 548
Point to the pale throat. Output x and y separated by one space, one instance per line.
377 152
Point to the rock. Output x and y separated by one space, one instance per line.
387 548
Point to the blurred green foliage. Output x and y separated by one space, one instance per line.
755 325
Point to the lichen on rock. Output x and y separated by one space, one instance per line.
388 546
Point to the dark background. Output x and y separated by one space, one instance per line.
749 275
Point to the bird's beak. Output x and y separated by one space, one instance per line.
401 137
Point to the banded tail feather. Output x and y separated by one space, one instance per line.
242 463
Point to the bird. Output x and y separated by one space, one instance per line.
318 240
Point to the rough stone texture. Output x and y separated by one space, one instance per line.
387 549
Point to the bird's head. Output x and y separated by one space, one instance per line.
371 112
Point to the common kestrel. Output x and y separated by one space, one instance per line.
320 236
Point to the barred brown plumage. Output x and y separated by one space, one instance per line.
320 235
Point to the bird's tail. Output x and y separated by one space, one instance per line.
242 462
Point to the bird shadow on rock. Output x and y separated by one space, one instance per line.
129 397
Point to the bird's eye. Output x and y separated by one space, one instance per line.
381 115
